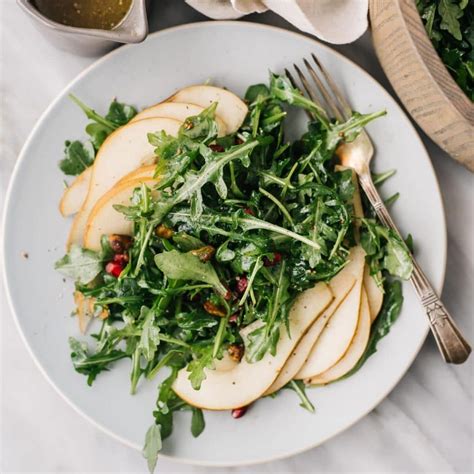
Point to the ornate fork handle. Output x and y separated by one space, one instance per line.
452 345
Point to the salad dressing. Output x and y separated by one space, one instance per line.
97 14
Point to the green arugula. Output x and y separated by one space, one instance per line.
242 224
80 264
186 266
77 157
450 26
80 155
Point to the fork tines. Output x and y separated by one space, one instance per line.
322 90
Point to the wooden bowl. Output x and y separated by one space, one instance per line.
419 77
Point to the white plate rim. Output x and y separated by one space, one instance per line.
21 158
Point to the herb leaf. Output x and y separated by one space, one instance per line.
299 388
197 366
450 13
186 266
81 264
152 446
197 422
77 157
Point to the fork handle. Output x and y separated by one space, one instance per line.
453 347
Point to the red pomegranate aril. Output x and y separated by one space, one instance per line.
249 211
239 412
242 283
217 148
274 261
233 318
114 269
121 259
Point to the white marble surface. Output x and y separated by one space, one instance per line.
425 424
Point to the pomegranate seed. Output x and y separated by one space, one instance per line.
239 412
249 211
121 259
228 295
238 141
274 261
242 283
114 269
233 318
217 148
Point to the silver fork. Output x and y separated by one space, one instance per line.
357 155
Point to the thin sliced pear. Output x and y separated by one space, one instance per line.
75 194
375 294
230 108
104 219
123 151
340 286
177 111
353 353
240 386
86 310
339 332
147 171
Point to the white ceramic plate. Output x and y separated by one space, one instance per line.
232 54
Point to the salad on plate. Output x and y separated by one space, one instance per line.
209 249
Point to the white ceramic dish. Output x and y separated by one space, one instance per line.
233 54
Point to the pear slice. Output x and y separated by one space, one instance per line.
240 386
339 332
105 220
340 286
177 111
355 350
147 171
230 108
123 151
375 294
74 195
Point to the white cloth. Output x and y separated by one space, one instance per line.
334 21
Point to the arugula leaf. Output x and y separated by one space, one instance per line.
152 446
281 88
450 26
77 157
98 133
197 422
81 264
197 366
92 364
385 250
299 388
260 341
350 129
450 13
186 266
194 181
150 336
119 113
93 115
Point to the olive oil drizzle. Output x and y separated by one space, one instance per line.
97 14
